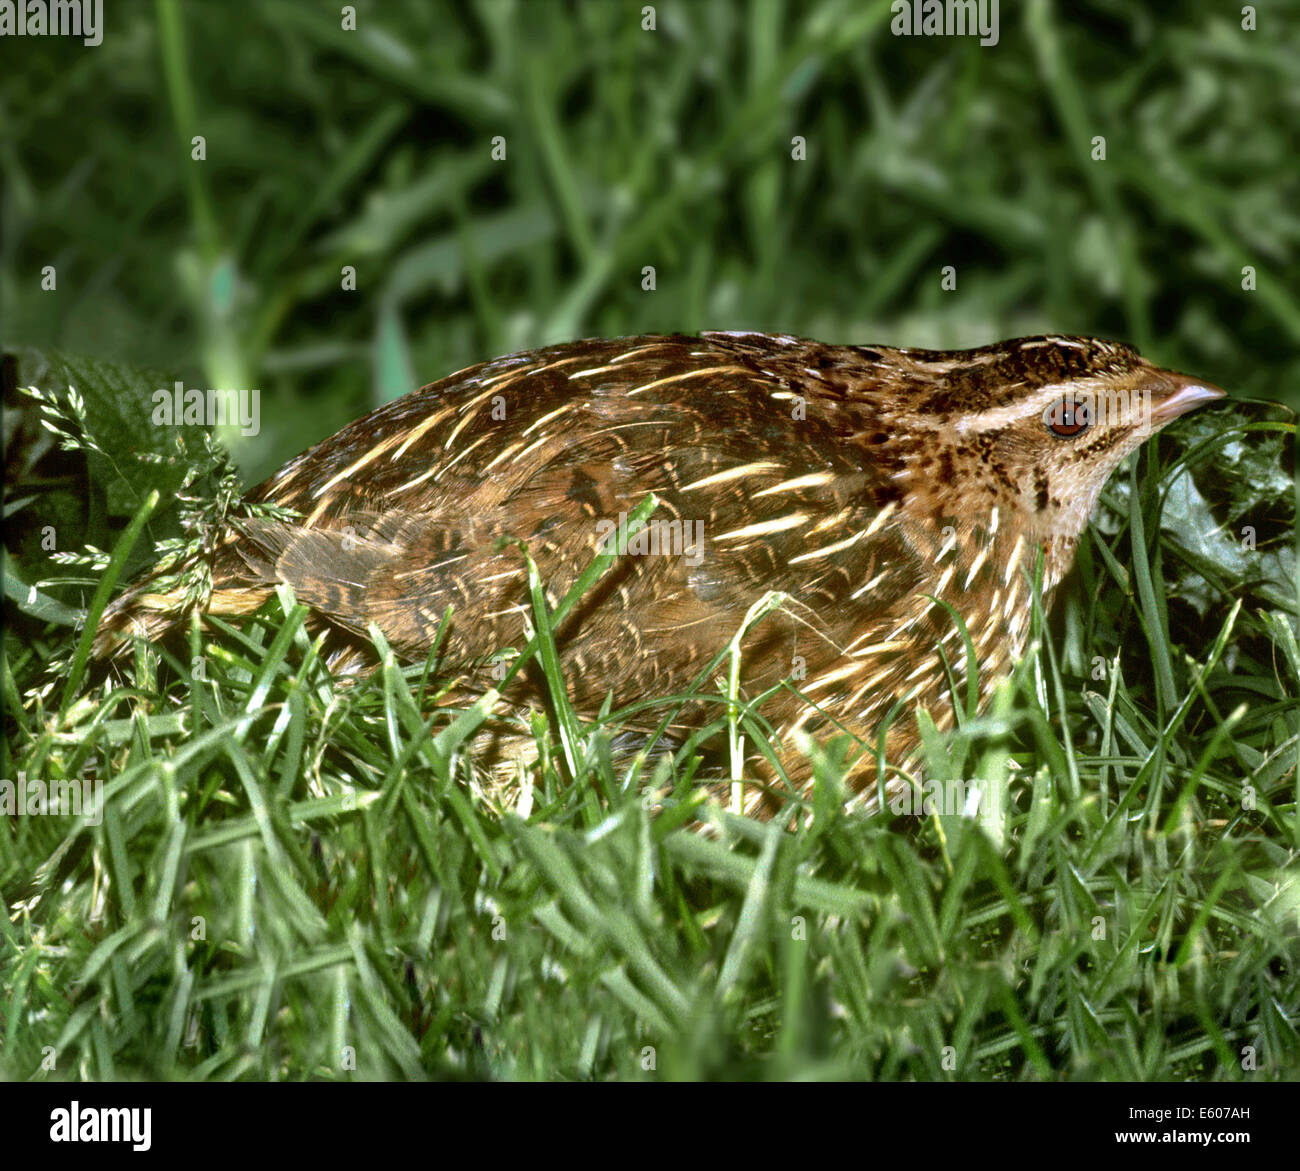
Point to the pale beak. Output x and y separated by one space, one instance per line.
1185 394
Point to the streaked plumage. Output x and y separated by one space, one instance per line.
863 482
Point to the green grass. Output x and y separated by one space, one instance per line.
288 867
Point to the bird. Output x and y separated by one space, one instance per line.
874 492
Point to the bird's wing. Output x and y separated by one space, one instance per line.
423 510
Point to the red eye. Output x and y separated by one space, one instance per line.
1068 418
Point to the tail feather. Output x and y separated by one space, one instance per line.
139 612
142 611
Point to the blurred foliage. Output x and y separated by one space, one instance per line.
625 148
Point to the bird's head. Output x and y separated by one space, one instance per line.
1036 425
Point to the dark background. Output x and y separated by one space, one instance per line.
627 148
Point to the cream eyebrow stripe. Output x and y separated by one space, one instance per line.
998 417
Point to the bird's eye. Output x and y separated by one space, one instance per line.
1068 418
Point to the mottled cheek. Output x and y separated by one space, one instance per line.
1042 490
1002 477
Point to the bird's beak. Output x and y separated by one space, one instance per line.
1183 394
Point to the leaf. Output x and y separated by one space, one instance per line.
81 495
31 601
119 403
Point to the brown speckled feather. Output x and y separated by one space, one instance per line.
825 472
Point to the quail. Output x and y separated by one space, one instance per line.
877 489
